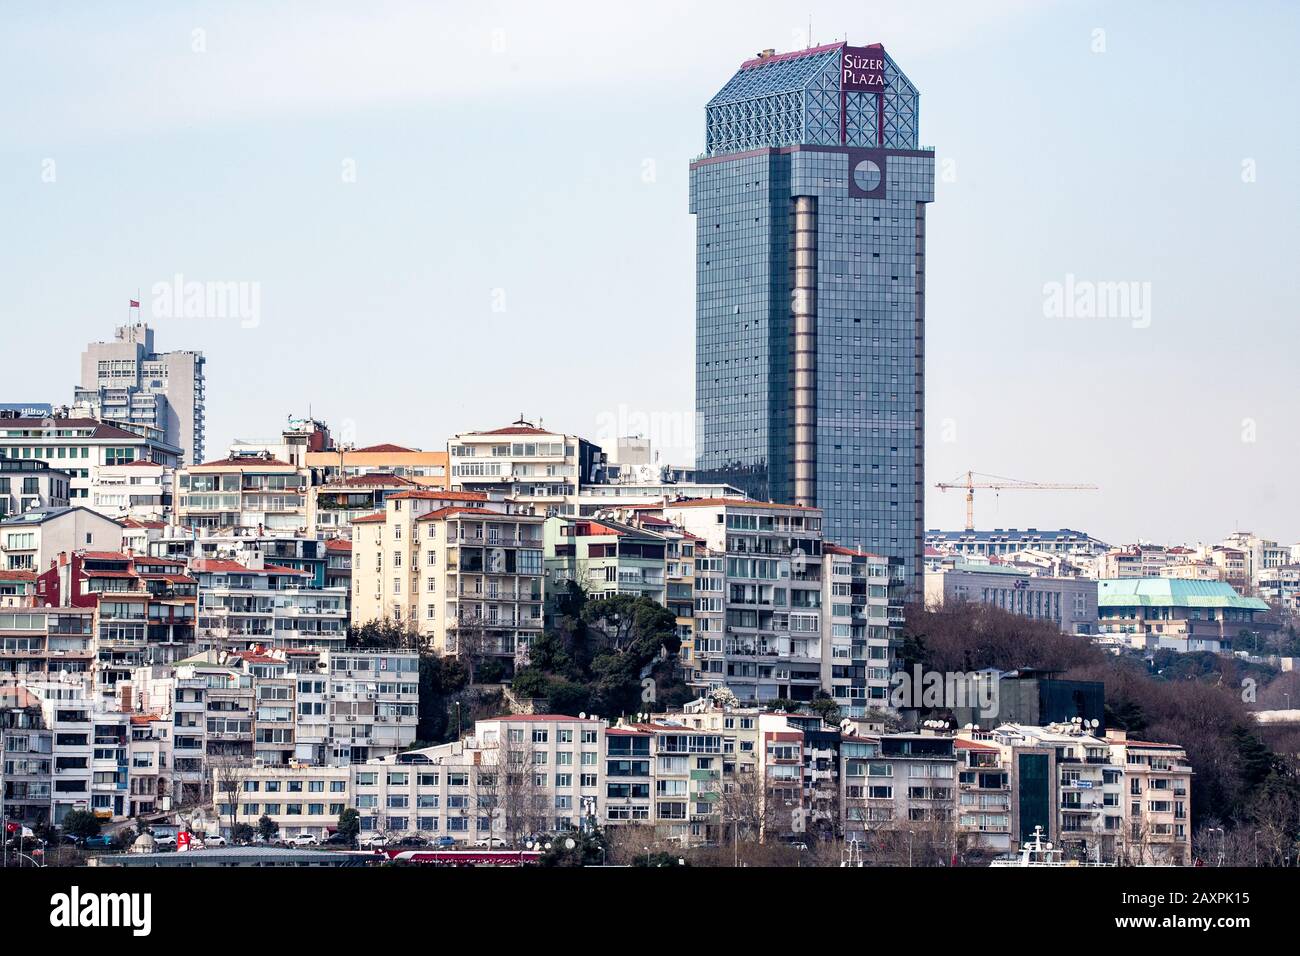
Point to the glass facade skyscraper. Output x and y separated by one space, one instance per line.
810 293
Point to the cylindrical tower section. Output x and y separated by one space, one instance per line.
804 307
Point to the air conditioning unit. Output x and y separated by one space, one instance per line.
351 719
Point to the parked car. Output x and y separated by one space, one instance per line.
443 842
215 841
100 841
407 842
373 841
490 843
338 839
304 839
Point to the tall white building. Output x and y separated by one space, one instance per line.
127 381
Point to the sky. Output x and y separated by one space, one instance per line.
440 216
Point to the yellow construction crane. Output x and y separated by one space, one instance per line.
1001 484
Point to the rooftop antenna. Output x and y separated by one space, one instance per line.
810 31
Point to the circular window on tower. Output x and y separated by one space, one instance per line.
866 175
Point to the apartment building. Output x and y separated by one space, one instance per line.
1067 603
1064 542
31 485
862 615
80 447
772 565
605 558
527 463
511 778
1068 781
27 754
137 489
127 381
1167 613
33 540
422 468
45 642
985 794
333 506
1157 801
462 571
258 601
144 608
301 799
254 492
1259 554
1280 587
17 588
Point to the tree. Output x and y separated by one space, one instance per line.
349 825
267 829
81 823
229 772
590 848
242 833
614 655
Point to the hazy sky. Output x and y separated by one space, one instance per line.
452 213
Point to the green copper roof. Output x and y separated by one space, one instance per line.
1172 592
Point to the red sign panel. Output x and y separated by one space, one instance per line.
863 68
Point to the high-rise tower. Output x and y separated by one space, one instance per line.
810 292
127 381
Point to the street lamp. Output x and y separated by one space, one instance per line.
1222 838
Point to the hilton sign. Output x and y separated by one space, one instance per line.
863 68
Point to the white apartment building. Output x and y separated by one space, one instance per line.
513 777
80 447
137 489
528 464
771 555
861 623
259 601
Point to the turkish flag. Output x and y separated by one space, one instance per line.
11 828
135 304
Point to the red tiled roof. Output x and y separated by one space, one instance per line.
372 449
137 523
972 745
338 544
139 719
245 461
17 575
375 479
377 517
434 495
218 565
105 556
855 552
515 430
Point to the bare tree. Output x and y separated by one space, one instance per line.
229 770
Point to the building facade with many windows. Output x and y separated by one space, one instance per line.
810 292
